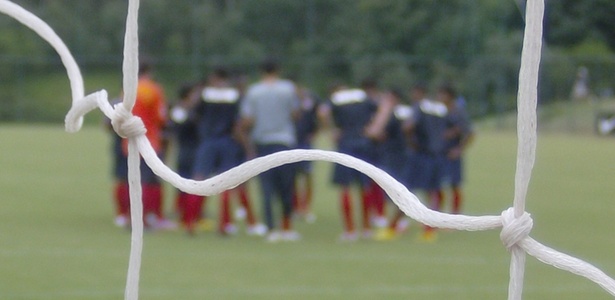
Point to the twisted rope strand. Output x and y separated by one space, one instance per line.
516 223
526 131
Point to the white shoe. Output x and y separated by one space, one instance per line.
380 222
257 230
290 236
164 224
274 237
349 237
402 225
240 214
367 234
229 229
121 221
310 218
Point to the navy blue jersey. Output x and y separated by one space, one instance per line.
217 112
306 124
352 111
430 125
458 120
184 129
395 141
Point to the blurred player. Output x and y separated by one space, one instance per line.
376 196
267 117
218 151
459 135
184 129
306 127
120 175
386 130
429 126
151 108
351 111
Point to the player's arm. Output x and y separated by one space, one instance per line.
376 129
244 126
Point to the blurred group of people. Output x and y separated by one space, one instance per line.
218 124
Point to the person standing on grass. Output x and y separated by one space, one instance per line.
429 126
216 114
185 134
306 127
351 111
268 113
459 135
120 175
151 108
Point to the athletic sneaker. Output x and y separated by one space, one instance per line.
229 229
121 221
429 236
402 225
385 235
164 224
257 230
240 214
309 218
290 236
349 236
205 225
380 222
274 237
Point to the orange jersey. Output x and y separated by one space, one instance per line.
151 108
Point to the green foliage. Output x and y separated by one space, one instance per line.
472 43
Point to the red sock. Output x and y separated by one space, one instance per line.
191 210
347 210
179 202
457 200
378 202
122 198
395 220
436 198
149 194
157 200
225 211
244 200
367 200
285 223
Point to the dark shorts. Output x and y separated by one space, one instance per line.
303 167
454 172
214 156
361 149
432 171
393 163
185 161
120 166
411 173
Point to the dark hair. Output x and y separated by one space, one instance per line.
221 72
145 67
270 66
420 86
184 90
397 92
369 83
448 89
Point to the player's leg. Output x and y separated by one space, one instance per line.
456 173
285 184
342 179
122 202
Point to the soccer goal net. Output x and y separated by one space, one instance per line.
515 223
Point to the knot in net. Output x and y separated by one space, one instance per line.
125 123
515 229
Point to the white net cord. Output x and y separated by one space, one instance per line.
515 222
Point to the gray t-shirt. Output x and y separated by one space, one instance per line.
271 105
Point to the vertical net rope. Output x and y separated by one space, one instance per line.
515 222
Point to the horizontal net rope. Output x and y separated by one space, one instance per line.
515 222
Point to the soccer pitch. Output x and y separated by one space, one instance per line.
57 240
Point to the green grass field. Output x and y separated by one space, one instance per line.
57 240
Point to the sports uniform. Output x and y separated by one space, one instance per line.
352 111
